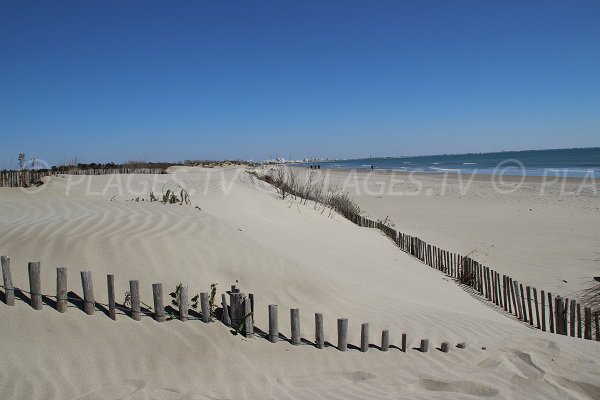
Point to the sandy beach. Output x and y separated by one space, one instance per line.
287 253
542 231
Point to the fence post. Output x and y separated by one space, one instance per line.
184 303
404 342
523 303
424 348
159 307
537 308
587 334
597 321
572 319
445 347
225 316
112 309
319 335
385 340
61 290
560 329
529 306
273 324
550 312
543 307
35 285
204 307
579 333
134 293
9 291
248 318
342 325
364 337
295 325
516 294
89 303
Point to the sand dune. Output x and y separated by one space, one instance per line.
285 253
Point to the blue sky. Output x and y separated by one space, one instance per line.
167 81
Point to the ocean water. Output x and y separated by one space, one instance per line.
562 162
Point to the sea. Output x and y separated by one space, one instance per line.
579 162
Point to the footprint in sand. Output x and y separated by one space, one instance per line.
463 387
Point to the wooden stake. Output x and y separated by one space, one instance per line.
205 307
424 348
159 307
9 290
112 306
587 333
550 312
35 285
319 336
537 308
273 324
445 347
295 325
134 292
364 337
579 333
572 319
184 304
529 312
225 315
342 325
61 290
385 340
89 303
248 318
543 307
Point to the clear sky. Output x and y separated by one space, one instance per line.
174 80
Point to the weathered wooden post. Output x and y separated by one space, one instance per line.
251 298
560 329
89 303
385 340
225 316
364 337
445 347
597 323
537 308
134 298
9 290
543 307
204 307
236 310
550 313
184 303
572 319
587 333
404 342
35 285
273 324
159 307
295 325
523 307
112 306
516 293
248 319
579 331
342 325
424 348
530 313
61 290
319 334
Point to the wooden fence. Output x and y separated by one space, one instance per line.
546 312
28 178
237 314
